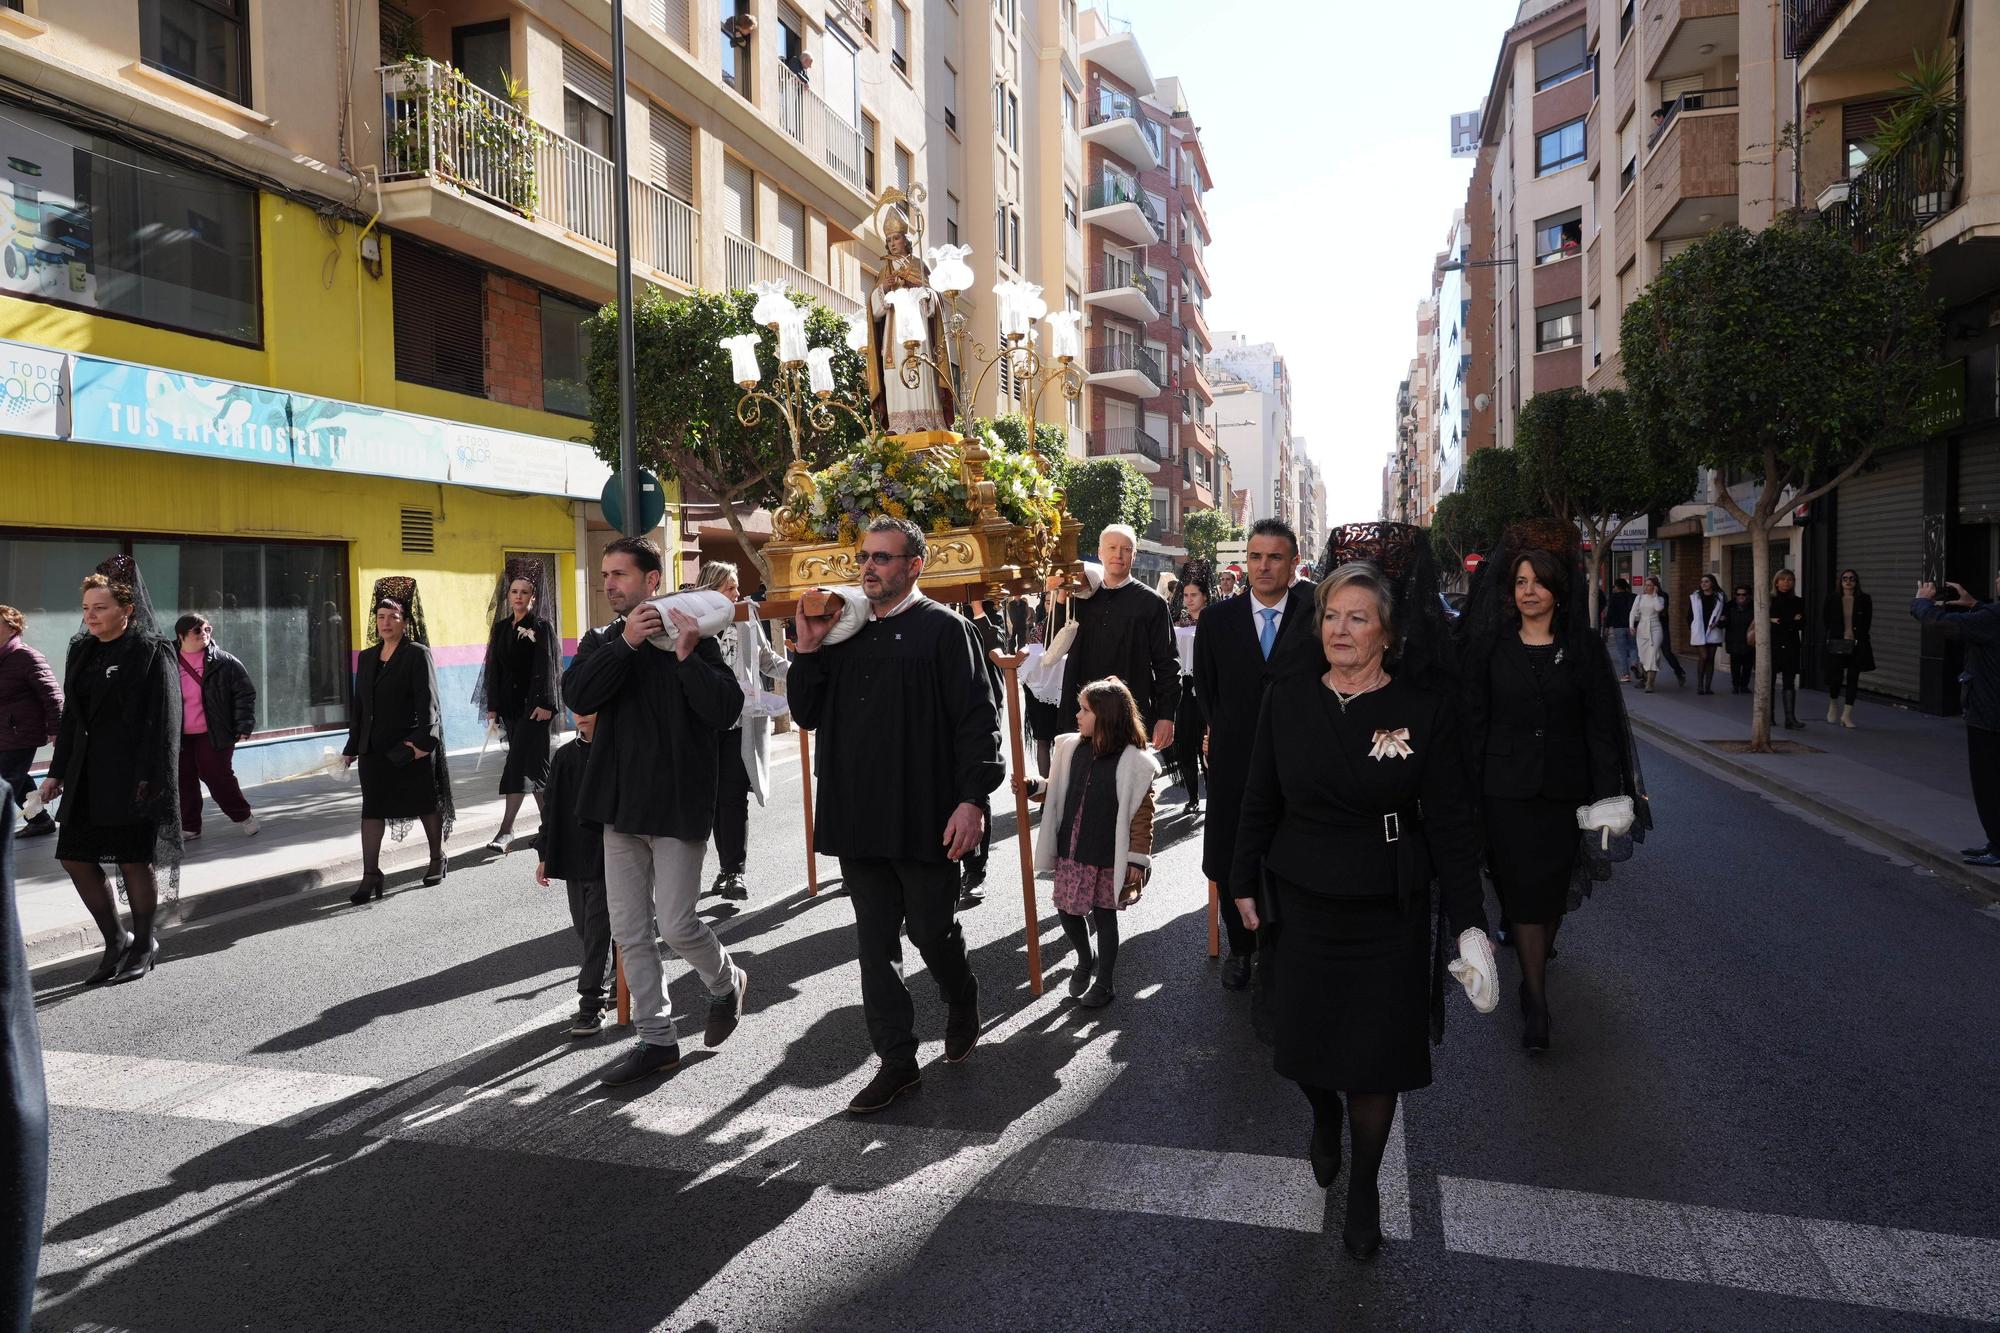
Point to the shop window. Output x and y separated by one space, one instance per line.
440 317
281 607
206 42
565 356
107 228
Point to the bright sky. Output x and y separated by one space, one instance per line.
1327 125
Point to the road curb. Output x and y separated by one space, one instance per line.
1891 839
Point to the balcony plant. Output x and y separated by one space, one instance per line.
1921 135
446 125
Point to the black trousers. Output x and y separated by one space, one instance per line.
592 922
14 766
1188 727
890 898
974 861
732 802
1841 670
1983 748
1742 670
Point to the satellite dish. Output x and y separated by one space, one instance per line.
1482 402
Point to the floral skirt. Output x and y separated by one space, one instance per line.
1081 889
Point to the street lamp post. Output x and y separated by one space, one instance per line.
621 175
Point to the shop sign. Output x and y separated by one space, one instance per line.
140 407
351 437
502 460
1941 406
34 391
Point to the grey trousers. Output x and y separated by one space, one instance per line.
647 879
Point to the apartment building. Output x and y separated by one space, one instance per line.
306 285
1146 282
1253 414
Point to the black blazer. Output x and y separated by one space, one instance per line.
395 701
1555 735
1833 622
122 727
1230 674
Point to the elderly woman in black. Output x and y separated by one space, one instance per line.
1545 722
1848 616
397 734
519 688
1355 802
116 766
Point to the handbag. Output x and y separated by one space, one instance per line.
1840 647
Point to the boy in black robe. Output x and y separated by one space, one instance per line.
1124 629
650 785
572 851
909 748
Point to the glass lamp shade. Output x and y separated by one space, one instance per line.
1021 305
1065 343
742 349
908 305
792 335
949 271
819 370
857 332
772 303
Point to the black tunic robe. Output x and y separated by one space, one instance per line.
652 769
908 730
569 848
1126 632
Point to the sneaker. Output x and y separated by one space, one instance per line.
189 835
1984 859
725 1011
961 1030
248 826
732 887
888 1084
588 1022
644 1060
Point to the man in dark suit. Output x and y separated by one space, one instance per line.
1240 643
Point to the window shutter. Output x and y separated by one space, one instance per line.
587 79
1860 122
789 240
671 17
739 199
673 153
440 319
395 22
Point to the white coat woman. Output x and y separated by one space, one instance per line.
1705 607
743 761
1649 630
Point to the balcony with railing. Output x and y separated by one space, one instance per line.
1679 38
1120 287
1117 123
1191 195
1194 255
1195 318
745 262
1845 36
1701 99
1897 194
1806 21
1691 176
816 126
1116 203
1132 444
440 127
1123 367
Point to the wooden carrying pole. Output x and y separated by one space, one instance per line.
1010 666
1214 920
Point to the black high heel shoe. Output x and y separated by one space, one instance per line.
137 960
436 873
370 887
1535 1028
1324 1156
1362 1234
114 949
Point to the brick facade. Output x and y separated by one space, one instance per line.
513 342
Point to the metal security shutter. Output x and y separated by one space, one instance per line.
1979 479
788 237
1881 536
739 199
440 318
587 79
395 24
673 153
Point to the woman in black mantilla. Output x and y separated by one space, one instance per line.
117 764
398 735
1548 745
1191 598
520 686
1355 804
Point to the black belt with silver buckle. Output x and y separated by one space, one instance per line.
1392 828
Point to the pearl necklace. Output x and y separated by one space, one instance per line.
1343 700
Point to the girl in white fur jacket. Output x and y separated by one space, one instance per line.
1097 829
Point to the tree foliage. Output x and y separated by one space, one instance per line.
1787 356
1205 529
1489 497
1103 491
1051 438
688 429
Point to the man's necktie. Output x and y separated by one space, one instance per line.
1269 634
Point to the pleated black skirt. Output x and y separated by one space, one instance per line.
527 767
1531 851
1352 1003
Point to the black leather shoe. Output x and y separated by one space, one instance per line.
1535 1030
39 827
1985 849
1079 978
136 961
725 1011
732 887
1362 1234
1236 971
1325 1159
1097 996
644 1060
114 949
370 887
961 1031
436 872
888 1084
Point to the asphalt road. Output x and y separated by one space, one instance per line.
1771 1105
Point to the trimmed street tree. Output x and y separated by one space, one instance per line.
1489 497
1581 461
1202 530
688 429
1787 356
1103 491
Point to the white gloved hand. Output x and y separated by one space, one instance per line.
708 609
1093 579
1611 817
32 807
1476 970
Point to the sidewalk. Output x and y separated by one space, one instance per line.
310 840
1898 779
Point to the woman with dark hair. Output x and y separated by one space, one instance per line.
398 736
1545 724
1355 803
1848 615
116 766
1705 605
520 687
1739 635
218 713
1787 638
1190 726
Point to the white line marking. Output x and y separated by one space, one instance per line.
1920 1272
190 1089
